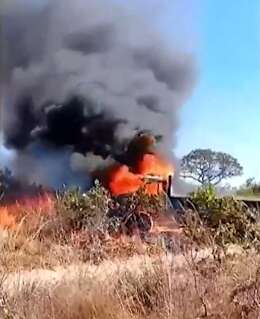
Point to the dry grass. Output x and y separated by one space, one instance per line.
190 285
51 269
45 242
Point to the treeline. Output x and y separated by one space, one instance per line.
251 188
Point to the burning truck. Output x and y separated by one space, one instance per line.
135 218
146 171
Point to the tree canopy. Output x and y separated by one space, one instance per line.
208 167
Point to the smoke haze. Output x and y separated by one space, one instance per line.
82 78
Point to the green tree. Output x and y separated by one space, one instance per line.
208 167
250 182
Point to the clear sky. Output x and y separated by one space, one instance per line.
224 111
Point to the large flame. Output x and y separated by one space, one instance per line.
123 179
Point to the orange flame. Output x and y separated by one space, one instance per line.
122 180
7 221
152 164
11 214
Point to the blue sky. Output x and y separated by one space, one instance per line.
224 110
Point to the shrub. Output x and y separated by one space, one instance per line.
84 210
227 219
141 201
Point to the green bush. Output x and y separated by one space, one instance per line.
227 219
84 210
141 201
97 209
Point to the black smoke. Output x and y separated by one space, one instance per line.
85 77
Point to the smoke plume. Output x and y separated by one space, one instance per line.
84 77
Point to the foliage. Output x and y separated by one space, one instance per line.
222 218
208 167
203 197
130 206
227 219
143 202
84 210
90 217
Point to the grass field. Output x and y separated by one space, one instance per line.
50 268
54 282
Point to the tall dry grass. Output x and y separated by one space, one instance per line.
225 287
73 270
